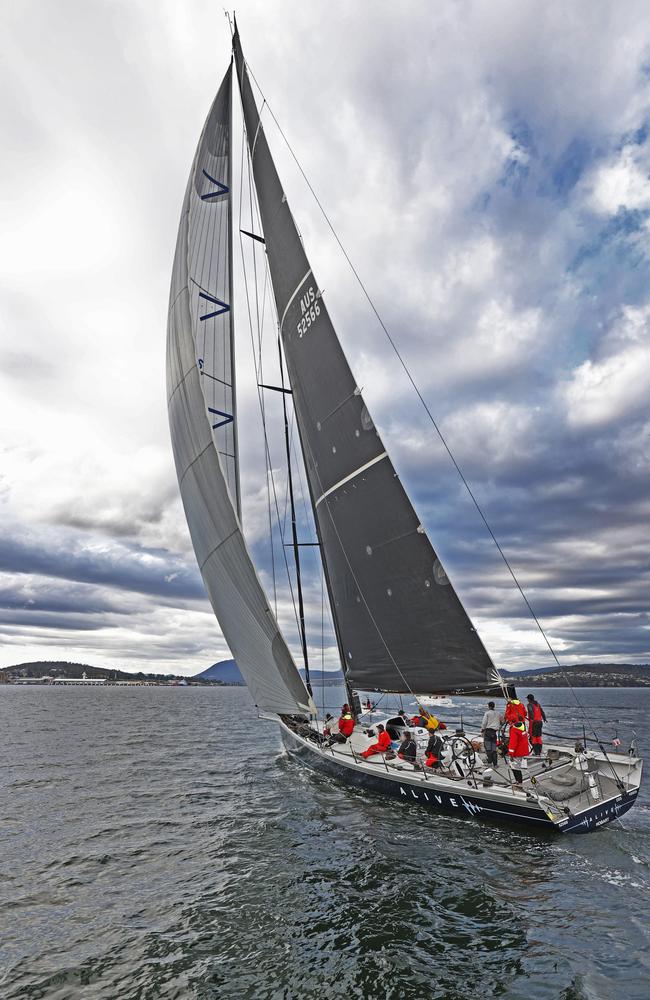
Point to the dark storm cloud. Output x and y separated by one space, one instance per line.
22 620
43 595
125 567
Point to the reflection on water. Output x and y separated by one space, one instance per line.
158 843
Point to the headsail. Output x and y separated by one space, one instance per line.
202 417
399 623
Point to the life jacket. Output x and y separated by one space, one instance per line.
346 724
518 745
536 712
515 712
432 723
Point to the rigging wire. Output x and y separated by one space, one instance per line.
257 378
269 466
428 412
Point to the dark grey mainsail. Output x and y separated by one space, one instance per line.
399 623
202 420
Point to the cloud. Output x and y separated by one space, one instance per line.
617 384
91 560
623 183
493 193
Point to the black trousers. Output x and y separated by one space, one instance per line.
490 744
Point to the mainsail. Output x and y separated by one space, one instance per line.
202 417
399 622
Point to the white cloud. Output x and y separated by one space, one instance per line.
624 183
488 435
617 384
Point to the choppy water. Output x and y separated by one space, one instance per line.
150 850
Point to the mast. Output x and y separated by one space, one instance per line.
294 529
398 620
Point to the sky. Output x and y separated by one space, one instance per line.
487 167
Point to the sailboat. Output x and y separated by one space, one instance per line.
399 623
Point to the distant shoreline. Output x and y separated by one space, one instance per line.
130 685
79 683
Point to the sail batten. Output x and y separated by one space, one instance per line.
203 421
399 622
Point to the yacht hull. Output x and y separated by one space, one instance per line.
459 801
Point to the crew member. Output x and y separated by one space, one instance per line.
429 721
407 749
346 723
381 746
518 750
434 751
536 716
490 727
515 712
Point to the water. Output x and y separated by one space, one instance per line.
150 850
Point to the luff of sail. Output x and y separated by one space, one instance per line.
200 393
399 622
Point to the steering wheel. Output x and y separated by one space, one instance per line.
462 751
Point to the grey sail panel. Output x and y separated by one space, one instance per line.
400 624
209 266
205 456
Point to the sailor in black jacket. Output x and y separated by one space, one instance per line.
407 749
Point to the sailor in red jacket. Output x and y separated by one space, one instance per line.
346 723
515 712
536 716
381 746
518 750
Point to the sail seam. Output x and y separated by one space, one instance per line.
177 297
352 475
217 547
180 382
297 289
195 460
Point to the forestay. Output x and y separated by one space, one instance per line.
399 623
202 416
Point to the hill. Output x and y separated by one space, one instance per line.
584 675
62 668
225 671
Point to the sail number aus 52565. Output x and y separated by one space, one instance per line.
310 310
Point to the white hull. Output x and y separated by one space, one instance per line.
434 700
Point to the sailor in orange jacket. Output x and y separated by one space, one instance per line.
381 746
515 712
346 724
518 750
